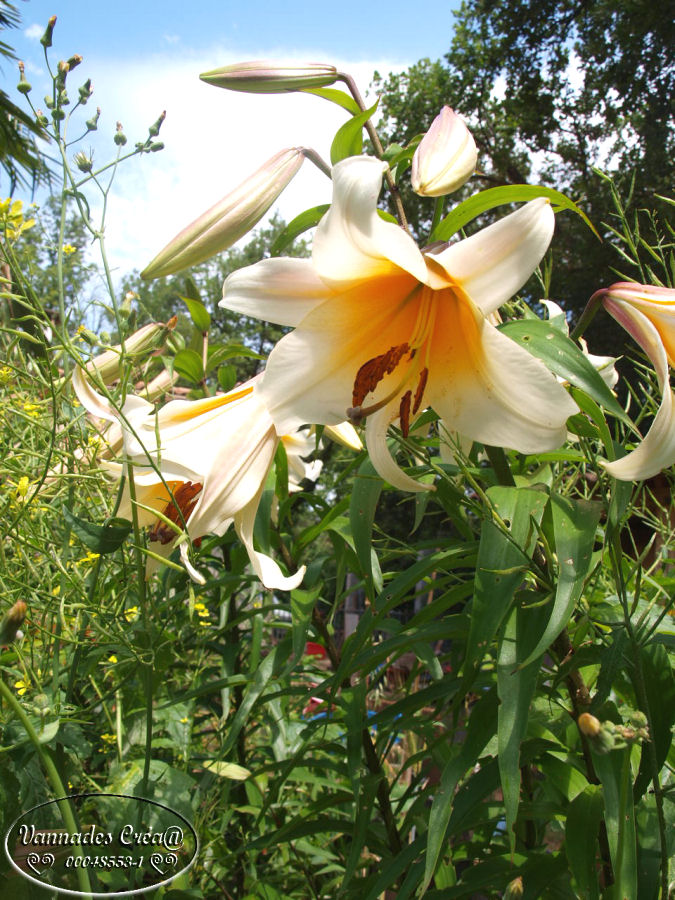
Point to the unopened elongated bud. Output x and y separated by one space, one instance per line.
146 339
264 77
223 224
445 158
74 61
85 91
23 86
46 39
12 621
154 128
92 124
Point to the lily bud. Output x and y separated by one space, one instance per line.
12 622
265 77
445 158
223 224
146 339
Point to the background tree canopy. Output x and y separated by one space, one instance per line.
551 90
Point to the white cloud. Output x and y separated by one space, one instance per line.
34 32
213 140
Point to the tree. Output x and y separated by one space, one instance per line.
19 156
551 90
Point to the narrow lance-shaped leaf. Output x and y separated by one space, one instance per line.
365 494
584 815
497 196
562 356
502 559
574 525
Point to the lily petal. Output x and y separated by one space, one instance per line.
376 441
493 264
282 290
657 451
352 242
264 566
494 391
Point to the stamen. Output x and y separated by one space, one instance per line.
372 372
177 510
404 413
421 384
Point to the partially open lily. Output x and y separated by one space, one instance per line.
648 315
213 455
445 158
383 330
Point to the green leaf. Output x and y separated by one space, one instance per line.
346 101
613 769
198 313
227 377
562 356
297 226
348 140
225 769
515 684
101 539
511 193
584 815
261 678
574 525
302 605
660 688
365 494
502 557
188 363
480 729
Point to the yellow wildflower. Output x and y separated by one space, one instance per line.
5 374
32 409
68 249
22 685
131 614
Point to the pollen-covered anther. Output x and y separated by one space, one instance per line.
404 413
372 372
177 510
419 393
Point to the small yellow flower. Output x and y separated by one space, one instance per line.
201 610
112 659
56 590
88 559
109 738
32 409
5 374
184 720
68 249
131 614
22 685
22 486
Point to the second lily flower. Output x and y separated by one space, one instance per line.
383 330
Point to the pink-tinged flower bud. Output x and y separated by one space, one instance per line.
223 224
445 158
264 77
46 39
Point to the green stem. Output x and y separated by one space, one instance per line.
377 147
501 466
54 778
438 214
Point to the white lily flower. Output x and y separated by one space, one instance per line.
648 315
213 454
445 157
383 329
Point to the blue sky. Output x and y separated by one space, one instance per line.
359 30
144 57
